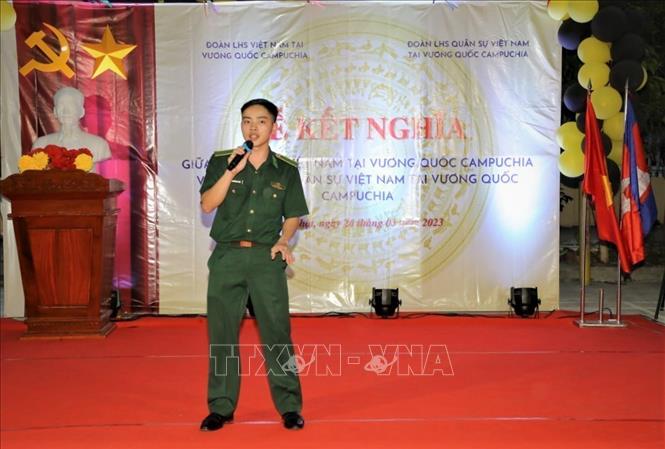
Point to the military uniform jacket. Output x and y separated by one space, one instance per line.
257 201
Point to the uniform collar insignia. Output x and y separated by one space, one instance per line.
273 159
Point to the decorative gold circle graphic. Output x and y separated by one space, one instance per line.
359 111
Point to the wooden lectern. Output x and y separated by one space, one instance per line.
64 224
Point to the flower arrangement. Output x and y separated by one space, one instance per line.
53 157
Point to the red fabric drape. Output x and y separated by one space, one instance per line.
122 111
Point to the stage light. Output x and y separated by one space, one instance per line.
524 301
385 301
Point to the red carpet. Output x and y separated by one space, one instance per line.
514 383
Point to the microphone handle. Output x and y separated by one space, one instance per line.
238 157
235 161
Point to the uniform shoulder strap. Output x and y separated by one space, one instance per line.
287 160
222 153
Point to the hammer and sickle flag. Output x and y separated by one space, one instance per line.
108 55
58 61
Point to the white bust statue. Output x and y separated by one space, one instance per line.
68 109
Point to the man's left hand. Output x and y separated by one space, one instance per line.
281 247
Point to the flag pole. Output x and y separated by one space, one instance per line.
584 234
625 116
583 253
584 265
618 290
584 223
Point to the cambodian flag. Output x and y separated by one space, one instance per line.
638 205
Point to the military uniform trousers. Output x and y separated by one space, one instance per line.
235 274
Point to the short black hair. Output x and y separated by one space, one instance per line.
269 105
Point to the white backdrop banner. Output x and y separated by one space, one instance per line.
423 134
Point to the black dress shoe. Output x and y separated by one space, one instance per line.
215 421
293 420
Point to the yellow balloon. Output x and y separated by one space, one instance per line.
571 163
557 9
644 82
606 102
596 73
616 154
582 11
7 16
593 50
568 136
614 126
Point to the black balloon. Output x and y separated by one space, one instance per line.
626 70
636 22
606 3
609 24
573 183
630 46
575 98
638 100
614 174
580 121
606 141
571 33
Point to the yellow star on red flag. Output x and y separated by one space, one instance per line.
108 54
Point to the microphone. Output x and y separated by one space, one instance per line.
247 146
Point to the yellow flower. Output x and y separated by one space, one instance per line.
40 159
83 162
26 162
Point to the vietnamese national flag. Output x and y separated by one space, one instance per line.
638 205
597 184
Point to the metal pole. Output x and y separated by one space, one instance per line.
601 304
582 305
621 199
661 298
585 226
618 290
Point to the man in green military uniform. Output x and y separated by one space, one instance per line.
259 204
